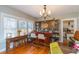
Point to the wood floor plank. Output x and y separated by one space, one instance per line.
29 49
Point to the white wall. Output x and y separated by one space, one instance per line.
12 11
61 30
78 23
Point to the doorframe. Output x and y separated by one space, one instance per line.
61 24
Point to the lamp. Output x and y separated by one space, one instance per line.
45 13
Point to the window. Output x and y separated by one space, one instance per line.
30 27
22 25
10 27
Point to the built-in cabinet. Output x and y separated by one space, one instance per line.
50 25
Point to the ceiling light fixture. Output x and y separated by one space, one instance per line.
45 13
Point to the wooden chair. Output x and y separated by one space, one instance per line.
32 37
42 38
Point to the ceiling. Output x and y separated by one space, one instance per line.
57 10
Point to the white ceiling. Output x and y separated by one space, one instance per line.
57 10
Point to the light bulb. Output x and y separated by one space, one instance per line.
40 13
49 12
43 11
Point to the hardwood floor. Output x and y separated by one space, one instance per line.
29 49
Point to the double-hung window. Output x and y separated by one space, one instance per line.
22 26
10 27
30 27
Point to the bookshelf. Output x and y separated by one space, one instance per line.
49 25
68 29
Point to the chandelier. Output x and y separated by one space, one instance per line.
45 13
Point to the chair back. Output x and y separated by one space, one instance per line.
33 35
41 36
